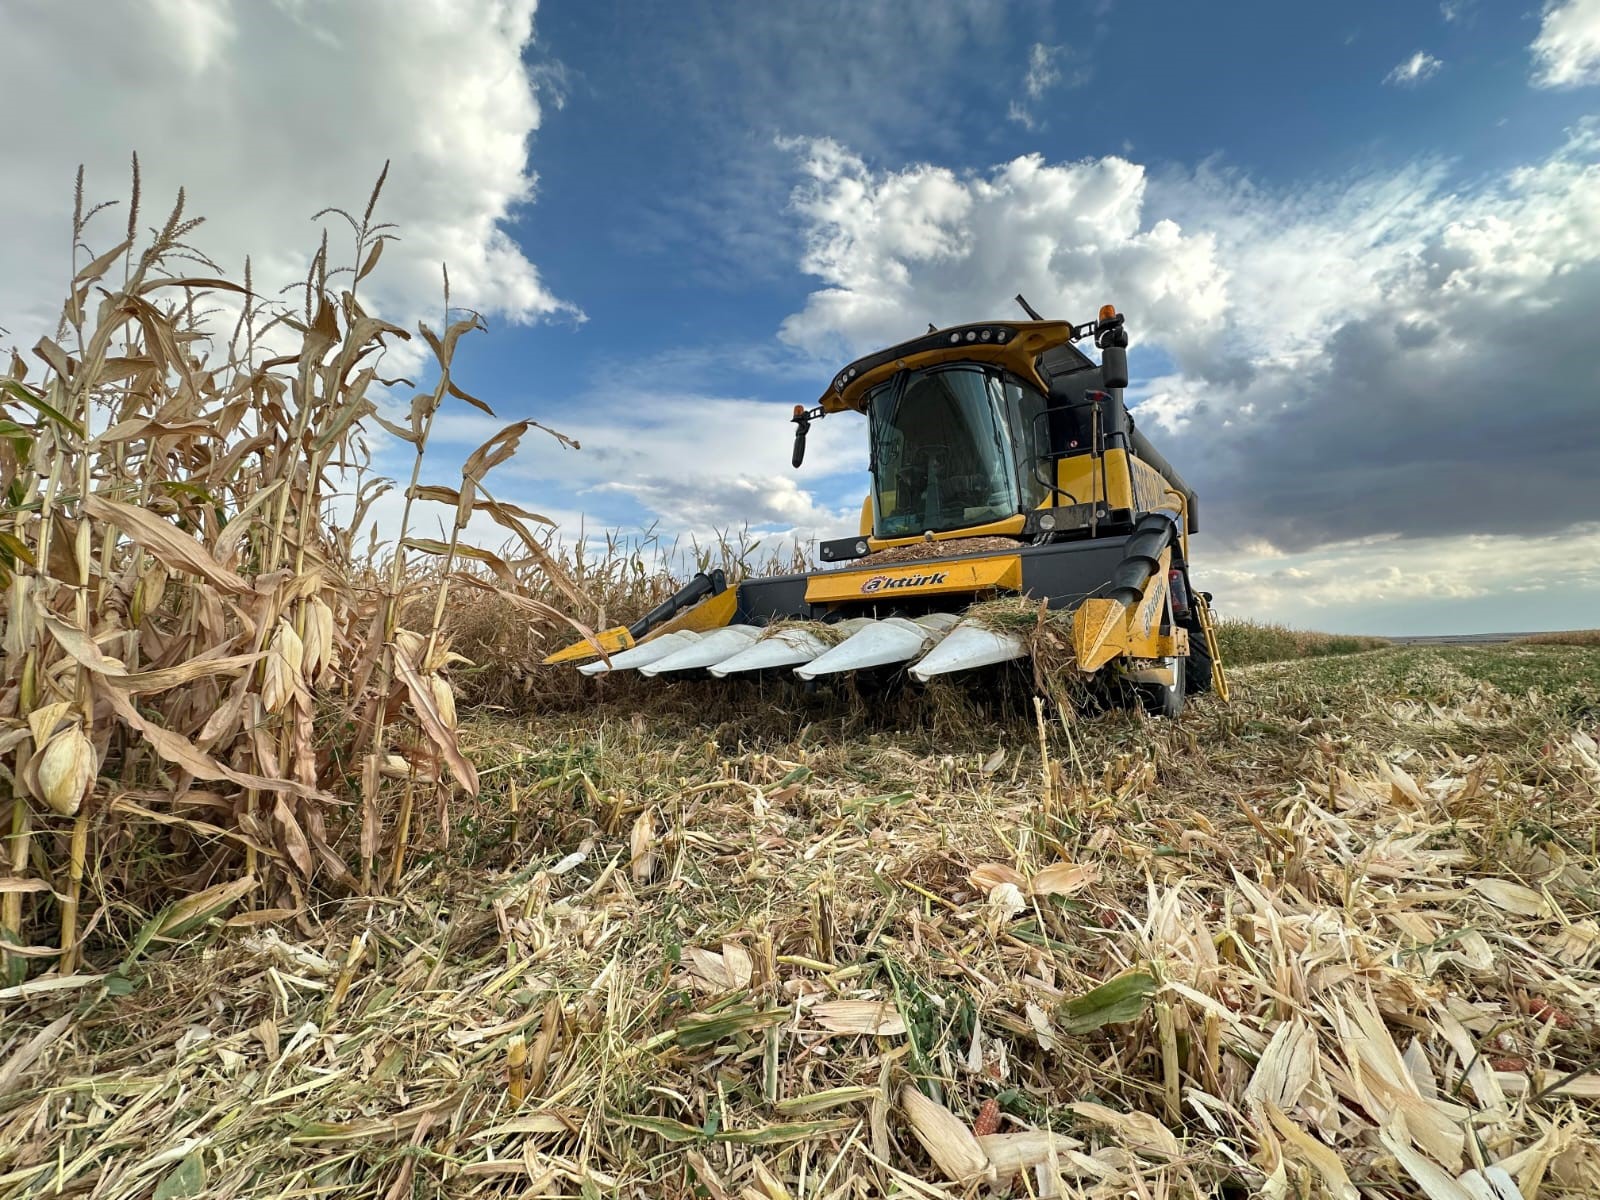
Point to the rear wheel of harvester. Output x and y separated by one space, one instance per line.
1164 699
1197 671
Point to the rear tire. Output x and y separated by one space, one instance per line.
1197 675
1165 700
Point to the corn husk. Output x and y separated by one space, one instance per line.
285 657
946 1138
876 1017
991 875
1012 1153
444 699
641 846
65 768
1063 879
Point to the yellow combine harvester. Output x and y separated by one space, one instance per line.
1003 462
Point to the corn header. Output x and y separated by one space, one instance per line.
1003 462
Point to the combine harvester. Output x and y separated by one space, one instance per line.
1004 463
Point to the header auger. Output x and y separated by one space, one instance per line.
1003 463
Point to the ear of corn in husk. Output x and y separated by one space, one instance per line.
641 846
318 638
285 657
65 768
444 699
946 1138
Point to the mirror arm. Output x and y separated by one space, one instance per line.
802 419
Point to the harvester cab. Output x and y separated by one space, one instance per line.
1003 462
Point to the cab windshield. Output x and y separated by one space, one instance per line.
953 447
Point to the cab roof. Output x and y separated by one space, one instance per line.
1035 350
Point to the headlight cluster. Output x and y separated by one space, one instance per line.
980 335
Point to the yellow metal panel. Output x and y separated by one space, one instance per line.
1150 488
866 515
1152 491
711 613
1081 478
610 640
920 579
1144 622
1029 340
1098 633
1103 629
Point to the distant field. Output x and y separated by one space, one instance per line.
1571 637
1245 642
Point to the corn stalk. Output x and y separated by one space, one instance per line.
190 658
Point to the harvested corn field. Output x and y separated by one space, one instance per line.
1336 939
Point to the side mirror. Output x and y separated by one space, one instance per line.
800 443
1114 366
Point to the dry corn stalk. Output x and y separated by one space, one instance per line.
516 1070
175 603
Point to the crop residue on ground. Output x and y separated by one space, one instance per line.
1336 939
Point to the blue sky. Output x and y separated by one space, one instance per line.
1344 236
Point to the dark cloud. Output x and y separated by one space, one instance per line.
1483 418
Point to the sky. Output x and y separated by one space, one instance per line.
1358 245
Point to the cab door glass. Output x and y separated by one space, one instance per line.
943 458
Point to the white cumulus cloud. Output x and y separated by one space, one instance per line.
1414 70
697 464
266 111
1567 51
898 249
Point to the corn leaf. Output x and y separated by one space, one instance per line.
1112 1003
188 1178
709 1030
24 396
166 541
433 725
